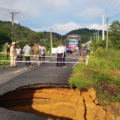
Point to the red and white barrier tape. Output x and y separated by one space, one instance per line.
38 61
37 55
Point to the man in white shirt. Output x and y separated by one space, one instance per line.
18 51
64 54
60 54
27 50
43 51
39 49
77 49
40 52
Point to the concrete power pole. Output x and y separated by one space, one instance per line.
98 35
13 14
107 35
90 38
96 38
51 39
103 31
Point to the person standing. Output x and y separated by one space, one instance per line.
27 50
12 55
4 55
77 49
40 52
18 51
83 52
43 51
36 53
60 54
64 54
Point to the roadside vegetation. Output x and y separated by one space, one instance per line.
103 71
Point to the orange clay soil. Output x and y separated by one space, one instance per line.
59 103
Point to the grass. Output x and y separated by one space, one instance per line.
103 68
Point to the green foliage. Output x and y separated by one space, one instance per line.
85 34
80 82
103 78
80 77
106 78
24 34
101 44
5 35
106 60
115 34
116 99
117 82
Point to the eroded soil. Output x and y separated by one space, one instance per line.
61 103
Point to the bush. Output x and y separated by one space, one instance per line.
102 44
103 78
116 99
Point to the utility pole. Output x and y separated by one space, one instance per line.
51 39
90 38
13 14
61 38
94 36
107 35
98 35
103 32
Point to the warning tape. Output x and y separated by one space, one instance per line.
37 55
38 61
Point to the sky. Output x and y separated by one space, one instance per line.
62 16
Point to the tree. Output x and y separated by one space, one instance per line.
115 34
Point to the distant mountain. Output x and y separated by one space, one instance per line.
84 32
23 34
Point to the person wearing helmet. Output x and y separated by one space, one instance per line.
83 52
12 55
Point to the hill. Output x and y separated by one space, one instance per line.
23 34
84 32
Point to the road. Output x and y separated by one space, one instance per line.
48 73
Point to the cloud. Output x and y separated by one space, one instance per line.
65 28
90 12
95 26
33 8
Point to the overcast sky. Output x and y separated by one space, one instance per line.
61 15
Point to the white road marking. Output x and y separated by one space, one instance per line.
76 63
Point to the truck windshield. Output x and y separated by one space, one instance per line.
73 41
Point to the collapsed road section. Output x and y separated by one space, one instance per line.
55 102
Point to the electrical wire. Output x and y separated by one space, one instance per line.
20 19
108 6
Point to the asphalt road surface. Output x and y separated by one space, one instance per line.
48 73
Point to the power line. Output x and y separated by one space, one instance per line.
108 6
114 10
114 15
28 20
21 16
6 9
5 14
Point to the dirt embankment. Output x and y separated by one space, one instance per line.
61 103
